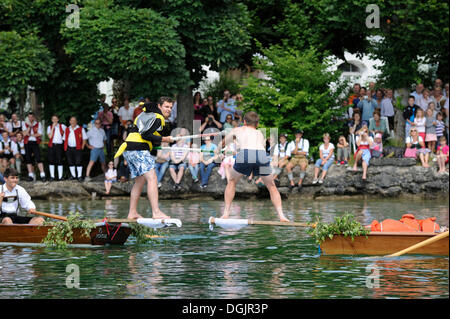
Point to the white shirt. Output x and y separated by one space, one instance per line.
111 173
178 154
71 138
326 152
281 150
24 199
417 96
387 109
126 115
303 146
57 137
22 147
409 140
367 142
24 128
10 126
12 145
420 124
96 137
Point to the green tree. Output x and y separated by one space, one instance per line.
24 62
298 91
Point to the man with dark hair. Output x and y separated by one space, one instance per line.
251 159
13 195
55 133
32 131
74 142
146 134
409 113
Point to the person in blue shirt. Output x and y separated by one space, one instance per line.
226 106
409 113
207 157
367 105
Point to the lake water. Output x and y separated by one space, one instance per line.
253 262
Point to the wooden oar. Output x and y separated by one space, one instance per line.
421 244
49 215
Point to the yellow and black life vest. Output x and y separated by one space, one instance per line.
134 140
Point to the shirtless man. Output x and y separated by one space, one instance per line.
252 158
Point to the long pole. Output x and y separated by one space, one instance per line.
49 215
196 136
421 244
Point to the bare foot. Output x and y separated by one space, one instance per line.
225 215
355 168
284 219
134 216
160 215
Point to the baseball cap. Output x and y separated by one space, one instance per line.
283 135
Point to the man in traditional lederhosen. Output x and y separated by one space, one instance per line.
55 133
20 155
32 132
74 142
11 197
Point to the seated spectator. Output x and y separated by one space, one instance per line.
228 159
210 122
110 177
194 163
162 163
177 165
442 154
235 123
419 123
280 157
124 170
387 108
430 130
376 148
20 155
416 145
376 125
326 153
228 122
8 150
364 142
343 151
355 124
298 150
207 158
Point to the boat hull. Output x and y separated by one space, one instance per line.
100 235
383 243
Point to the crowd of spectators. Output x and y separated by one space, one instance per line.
369 116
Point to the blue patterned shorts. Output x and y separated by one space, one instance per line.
139 162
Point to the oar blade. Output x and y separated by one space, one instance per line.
159 223
228 223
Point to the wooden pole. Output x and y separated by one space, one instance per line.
421 244
49 215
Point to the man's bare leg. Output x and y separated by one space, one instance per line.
134 197
275 196
36 221
152 194
230 191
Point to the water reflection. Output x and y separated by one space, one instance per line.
254 262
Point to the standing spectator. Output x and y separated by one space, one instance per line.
74 142
204 109
110 177
207 158
194 163
20 155
354 98
364 142
442 154
425 100
419 123
211 109
367 105
55 133
343 151
139 109
107 117
125 114
298 150
226 106
326 151
387 108
379 95
8 150
418 93
438 98
280 156
372 91
32 138
173 115
198 113
177 165
430 130
376 125
440 126
14 126
3 124
409 113
162 162
116 120
96 138
355 124
432 106
210 123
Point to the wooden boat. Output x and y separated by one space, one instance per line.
383 243
102 234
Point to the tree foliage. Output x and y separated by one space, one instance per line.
295 93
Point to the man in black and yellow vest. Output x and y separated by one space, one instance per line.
144 136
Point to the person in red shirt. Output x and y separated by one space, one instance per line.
74 142
32 132
138 109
